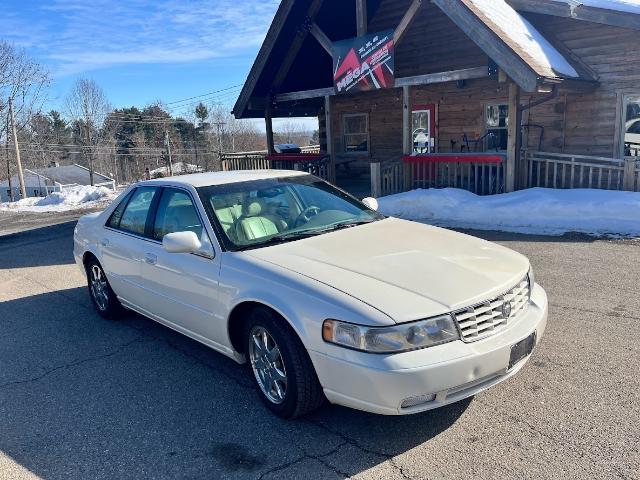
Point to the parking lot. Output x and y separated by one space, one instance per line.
82 397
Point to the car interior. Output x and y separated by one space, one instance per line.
247 216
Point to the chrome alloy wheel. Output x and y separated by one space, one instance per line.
99 287
267 364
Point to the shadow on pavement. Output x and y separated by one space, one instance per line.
14 254
82 397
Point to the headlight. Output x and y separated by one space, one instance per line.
399 338
532 280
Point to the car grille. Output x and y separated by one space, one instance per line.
487 318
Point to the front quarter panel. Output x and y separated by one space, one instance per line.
303 302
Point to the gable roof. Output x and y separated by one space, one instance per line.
523 38
619 13
510 40
71 175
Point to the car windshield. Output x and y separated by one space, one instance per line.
277 210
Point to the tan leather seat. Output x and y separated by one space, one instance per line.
256 221
227 216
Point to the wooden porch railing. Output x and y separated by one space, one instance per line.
260 160
481 174
244 161
559 170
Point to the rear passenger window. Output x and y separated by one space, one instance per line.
116 216
135 214
176 213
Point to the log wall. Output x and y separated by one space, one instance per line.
574 122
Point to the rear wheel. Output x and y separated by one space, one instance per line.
103 297
282 370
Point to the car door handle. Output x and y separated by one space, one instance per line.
150 258
104 242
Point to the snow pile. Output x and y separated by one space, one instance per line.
525 36
72 198
533 211
178 168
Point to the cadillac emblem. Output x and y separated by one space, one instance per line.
506 309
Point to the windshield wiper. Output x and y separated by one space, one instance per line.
341 225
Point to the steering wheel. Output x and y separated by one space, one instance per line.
307 214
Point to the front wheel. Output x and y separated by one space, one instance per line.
284 375
102 296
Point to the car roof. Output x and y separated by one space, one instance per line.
223 178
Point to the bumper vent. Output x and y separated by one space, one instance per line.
487 318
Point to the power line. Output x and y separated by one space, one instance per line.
204 94
121 114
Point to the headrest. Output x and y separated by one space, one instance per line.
253 207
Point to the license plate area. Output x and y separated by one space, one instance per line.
521 349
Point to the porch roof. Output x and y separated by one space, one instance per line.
516 46
619 13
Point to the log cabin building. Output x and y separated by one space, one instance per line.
488 95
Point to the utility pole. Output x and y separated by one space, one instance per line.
219 126
6 152
23 190
90 150
167 143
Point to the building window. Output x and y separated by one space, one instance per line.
356 133
632 127
496 127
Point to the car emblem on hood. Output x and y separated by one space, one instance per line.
506 309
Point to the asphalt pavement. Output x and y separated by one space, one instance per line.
86 398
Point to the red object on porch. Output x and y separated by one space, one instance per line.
452 158
297 157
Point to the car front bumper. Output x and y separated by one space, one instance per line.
440 375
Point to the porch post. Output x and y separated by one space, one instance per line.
329 133
407 141
361 17
406 121
269 127
376 179
629 174
513 143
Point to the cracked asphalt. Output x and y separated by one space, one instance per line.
81 397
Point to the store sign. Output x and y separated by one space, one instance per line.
364 63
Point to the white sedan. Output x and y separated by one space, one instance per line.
322 296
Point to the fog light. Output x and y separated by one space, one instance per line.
415 401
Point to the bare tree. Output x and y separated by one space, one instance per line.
23 82
235 135
88 106
290 131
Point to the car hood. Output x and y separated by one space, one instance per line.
405 269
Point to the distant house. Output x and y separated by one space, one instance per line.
42 181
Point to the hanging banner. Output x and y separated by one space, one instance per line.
364 63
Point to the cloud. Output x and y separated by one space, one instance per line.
75 36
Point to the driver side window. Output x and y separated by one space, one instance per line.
176 213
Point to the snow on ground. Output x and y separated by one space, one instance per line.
534 211
74 198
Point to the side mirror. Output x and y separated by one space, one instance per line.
181 242
371 202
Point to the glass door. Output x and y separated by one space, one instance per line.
423 128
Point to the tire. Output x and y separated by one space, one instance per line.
302 392
102 295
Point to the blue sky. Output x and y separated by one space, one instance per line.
140 51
